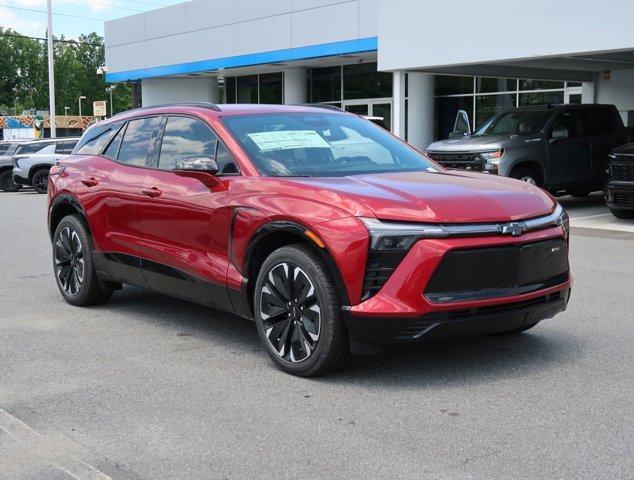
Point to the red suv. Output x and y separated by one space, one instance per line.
329 232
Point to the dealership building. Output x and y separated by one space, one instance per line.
415 63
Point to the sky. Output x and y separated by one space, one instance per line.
71 18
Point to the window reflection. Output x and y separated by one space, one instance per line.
185 137
137 141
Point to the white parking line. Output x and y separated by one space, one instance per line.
591 216
23 434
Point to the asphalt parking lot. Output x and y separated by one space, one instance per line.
148 387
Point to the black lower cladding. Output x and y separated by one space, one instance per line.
504 271
455 323
621 194
124 268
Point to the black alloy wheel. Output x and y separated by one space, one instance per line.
6 182
297 311
73 266
69 261
290 312
40 181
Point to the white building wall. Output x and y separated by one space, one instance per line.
157 91
618 90
425 34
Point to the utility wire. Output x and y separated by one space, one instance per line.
58 14
60 40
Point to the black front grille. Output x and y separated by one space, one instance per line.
463 160
493 272
623 172
624 199
419 326
379 267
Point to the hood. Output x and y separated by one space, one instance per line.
472 143
626 150
446 197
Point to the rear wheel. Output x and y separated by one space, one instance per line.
73 264
6 181
298 313
525 175
40 181
624 214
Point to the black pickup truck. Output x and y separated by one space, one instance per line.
619 185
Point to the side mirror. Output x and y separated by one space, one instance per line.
462 126
196 164
559 134
454 135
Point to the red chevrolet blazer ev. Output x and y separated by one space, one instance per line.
326 230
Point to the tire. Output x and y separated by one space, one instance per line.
525 175
73 264
40 181
309 339
6 181
515 331
623 214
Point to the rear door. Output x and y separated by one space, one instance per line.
110 191
570 155
605 128
185 218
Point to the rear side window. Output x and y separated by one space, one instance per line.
599 121
95 140
3 148
138 141
31 148
185 137
65 147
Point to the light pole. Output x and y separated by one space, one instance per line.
109 90
66 109
51 68
79 102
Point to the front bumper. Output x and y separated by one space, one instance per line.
402 311
20 176
619 195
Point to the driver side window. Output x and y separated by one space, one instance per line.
568 121
185 137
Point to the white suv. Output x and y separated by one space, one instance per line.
33 160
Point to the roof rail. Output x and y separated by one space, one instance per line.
325 106
208 105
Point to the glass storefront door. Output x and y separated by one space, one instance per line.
380 107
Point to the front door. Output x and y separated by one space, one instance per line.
569 151
185 218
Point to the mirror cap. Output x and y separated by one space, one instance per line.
196 164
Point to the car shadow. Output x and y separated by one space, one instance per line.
425 365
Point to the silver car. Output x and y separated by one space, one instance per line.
7 150
33 160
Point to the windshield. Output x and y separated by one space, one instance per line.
525 122
321 144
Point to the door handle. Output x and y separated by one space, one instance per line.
90 182
151 192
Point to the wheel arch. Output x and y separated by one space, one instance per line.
65 205
533 166
273 235
36 168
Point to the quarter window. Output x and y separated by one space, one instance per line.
138 140
95 141
185 137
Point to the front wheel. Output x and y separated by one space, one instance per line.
6 181
73 264
525 175
40 181
623 214
298 313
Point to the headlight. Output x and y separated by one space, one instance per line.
492 155
398 236
562 217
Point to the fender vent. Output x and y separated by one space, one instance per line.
379 268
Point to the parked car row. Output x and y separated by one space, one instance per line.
565 149
27 163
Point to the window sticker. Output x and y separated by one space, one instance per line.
288 140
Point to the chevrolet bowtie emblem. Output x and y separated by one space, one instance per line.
514 229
